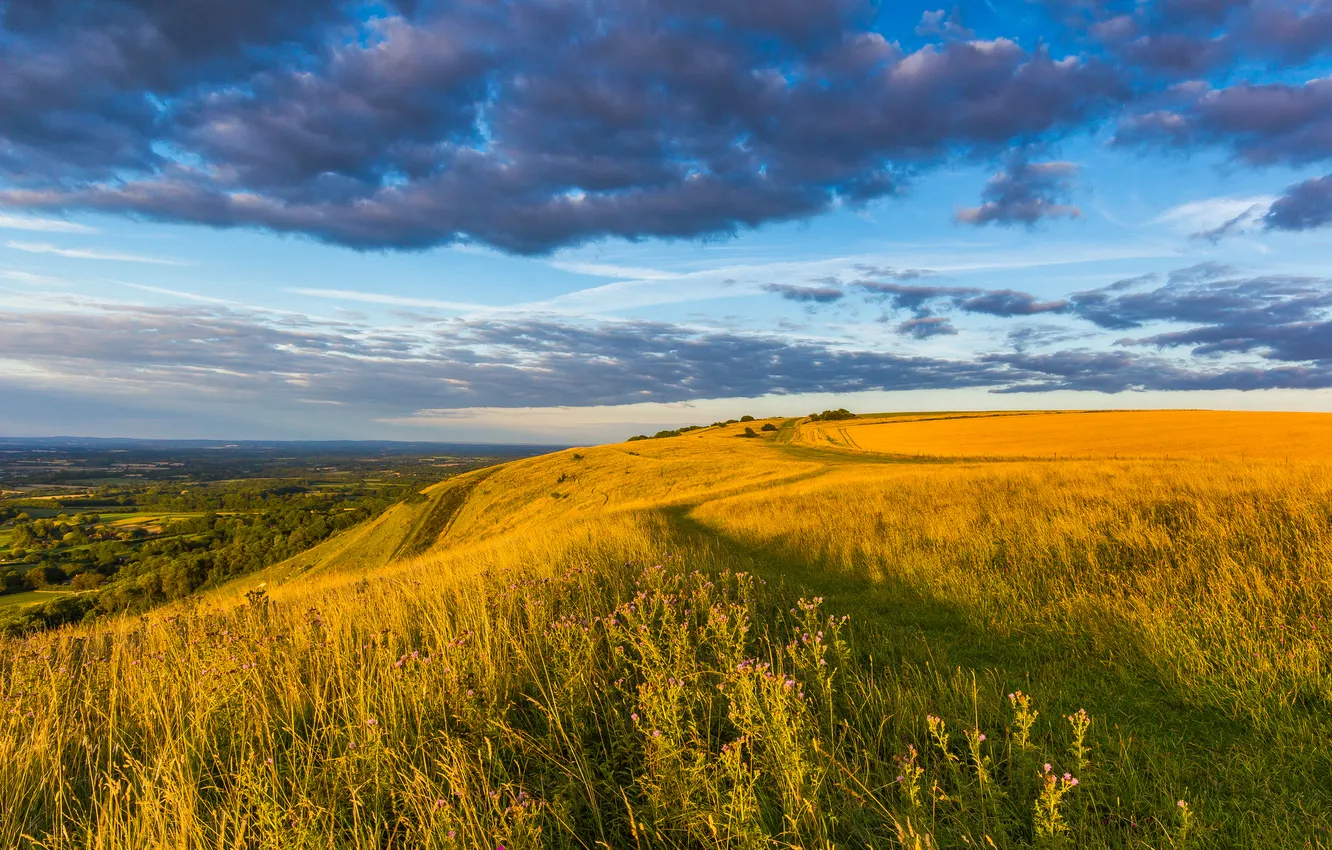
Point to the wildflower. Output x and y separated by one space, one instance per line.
656 733
370 721
268 760
980 737
1182 804
634 717
1047 767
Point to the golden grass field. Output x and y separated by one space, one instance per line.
1146 433
712 641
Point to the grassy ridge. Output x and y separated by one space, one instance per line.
1107 433
585 687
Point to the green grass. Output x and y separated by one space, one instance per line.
17 600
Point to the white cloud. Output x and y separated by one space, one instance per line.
609 270
1210 213
84 254
43 225
392 300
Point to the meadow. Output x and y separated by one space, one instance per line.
1109 433
708 641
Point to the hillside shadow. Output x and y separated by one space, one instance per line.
896 622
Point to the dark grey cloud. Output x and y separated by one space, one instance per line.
1275 123
927 327
1038 336
455 363
918 299
1025 193
922 300
1009 302
523 125
197 357
1191 296
1277 318
1189 38
1294 341
1304 206
824 294
1121 371
890 273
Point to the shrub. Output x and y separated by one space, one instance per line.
746 419
749 432
39 577
86 581
768 426
637 438
835 415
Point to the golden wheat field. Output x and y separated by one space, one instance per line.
712 641
1166 433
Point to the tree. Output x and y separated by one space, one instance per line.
43 576
86 581
746 419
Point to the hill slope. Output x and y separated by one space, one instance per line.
527 657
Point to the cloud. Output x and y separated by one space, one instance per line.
610 270
1231 226
1193 298
86 254
1304 206
1205 327
42 225
923 300
806 294
1024 193
545 126
927 327
391 300
1261 124
1118 371
1190 38
1008 302
943 24
198 351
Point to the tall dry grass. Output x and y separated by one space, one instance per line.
615 648
1216 574
578 701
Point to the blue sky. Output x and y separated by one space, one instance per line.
331 220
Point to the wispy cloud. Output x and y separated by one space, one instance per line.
85 254
176 293
1209 214
43 225
609 270
31 278
392 300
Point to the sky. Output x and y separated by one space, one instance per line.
576 220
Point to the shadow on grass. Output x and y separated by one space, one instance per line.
1152 737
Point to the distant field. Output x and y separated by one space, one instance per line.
12 600
1187 433
153 519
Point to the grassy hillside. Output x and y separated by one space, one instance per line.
719 641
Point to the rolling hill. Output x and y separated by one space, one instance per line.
906 631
